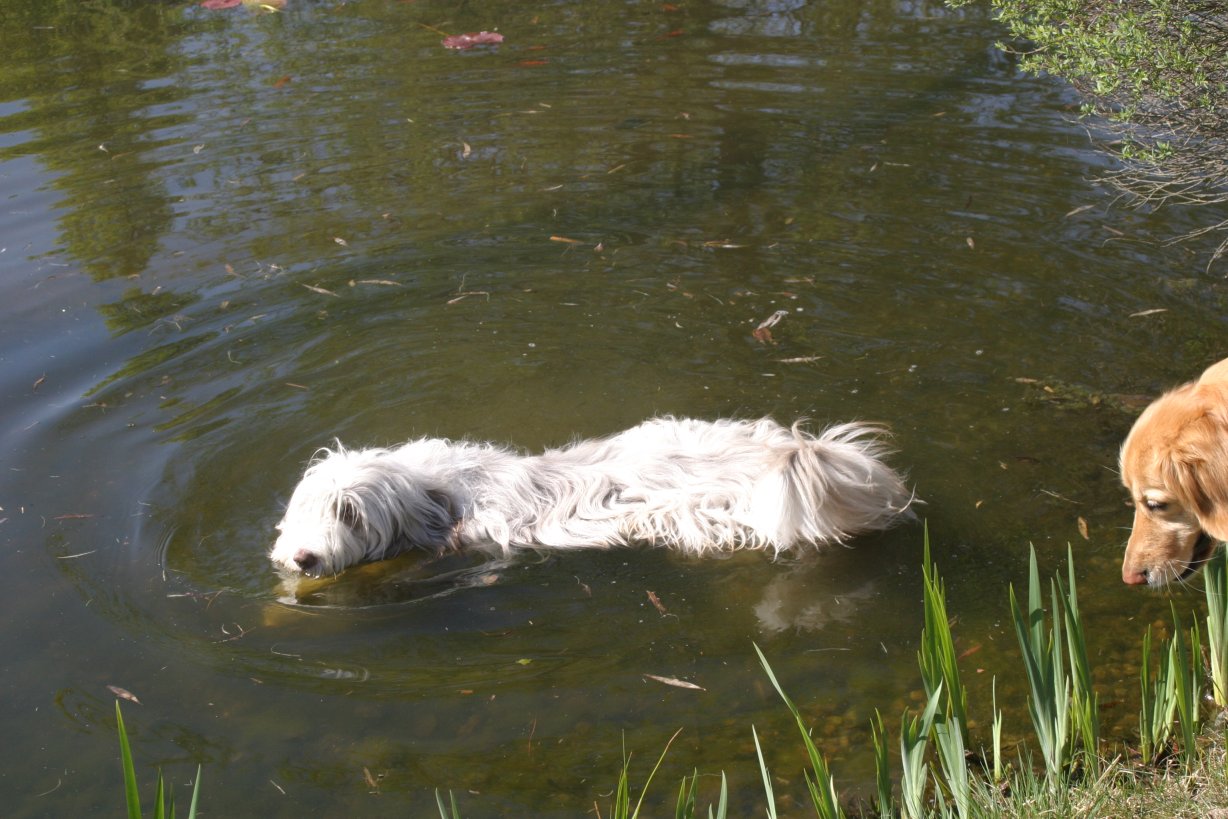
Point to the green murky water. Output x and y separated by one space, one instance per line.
227 238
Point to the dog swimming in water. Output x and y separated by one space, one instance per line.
692 485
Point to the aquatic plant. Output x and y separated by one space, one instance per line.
1187 685
1049 701
935 778
622 793
819 781
937 658
1084 701
1215 573
164 798
914 775
1159 701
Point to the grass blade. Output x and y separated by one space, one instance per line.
767 779
195 795
1216 573
444 813
1085 702
937 657
722 805
823 785
131 794
914 773
882 765
1049 703
949 738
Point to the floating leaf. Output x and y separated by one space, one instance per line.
675 682
123 693
763 332
463 41
656 602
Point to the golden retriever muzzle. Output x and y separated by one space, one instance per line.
1174 464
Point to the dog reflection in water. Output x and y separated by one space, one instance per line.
696 486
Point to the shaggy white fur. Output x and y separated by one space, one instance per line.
698 486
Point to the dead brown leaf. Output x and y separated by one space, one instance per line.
763 333
123 693
675 682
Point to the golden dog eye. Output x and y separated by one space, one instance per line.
1156 506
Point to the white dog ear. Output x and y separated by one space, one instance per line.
349 511
429 521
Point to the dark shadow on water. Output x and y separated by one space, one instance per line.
406 579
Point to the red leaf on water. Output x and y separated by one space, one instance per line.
463 41
219 4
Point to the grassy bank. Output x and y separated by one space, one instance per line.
928 765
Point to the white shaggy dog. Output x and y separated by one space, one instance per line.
698 486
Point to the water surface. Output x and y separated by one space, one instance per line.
229 238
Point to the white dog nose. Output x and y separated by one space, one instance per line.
306 560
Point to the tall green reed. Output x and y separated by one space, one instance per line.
164 798
914 765
1084 701
686 805
1215 573
622 793
1187 682
1049 701
936 657
1159 700
819 781
1171 695
882 766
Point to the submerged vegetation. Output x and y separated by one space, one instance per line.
1179 768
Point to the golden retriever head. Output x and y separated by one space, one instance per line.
1174 464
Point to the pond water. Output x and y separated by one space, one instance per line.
227 238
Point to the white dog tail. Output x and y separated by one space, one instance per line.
838 485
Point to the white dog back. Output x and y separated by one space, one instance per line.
698 486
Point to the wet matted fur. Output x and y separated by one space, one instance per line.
697 486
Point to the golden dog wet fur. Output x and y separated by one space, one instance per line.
1174 464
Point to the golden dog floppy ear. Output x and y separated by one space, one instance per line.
1198 472
1174 463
